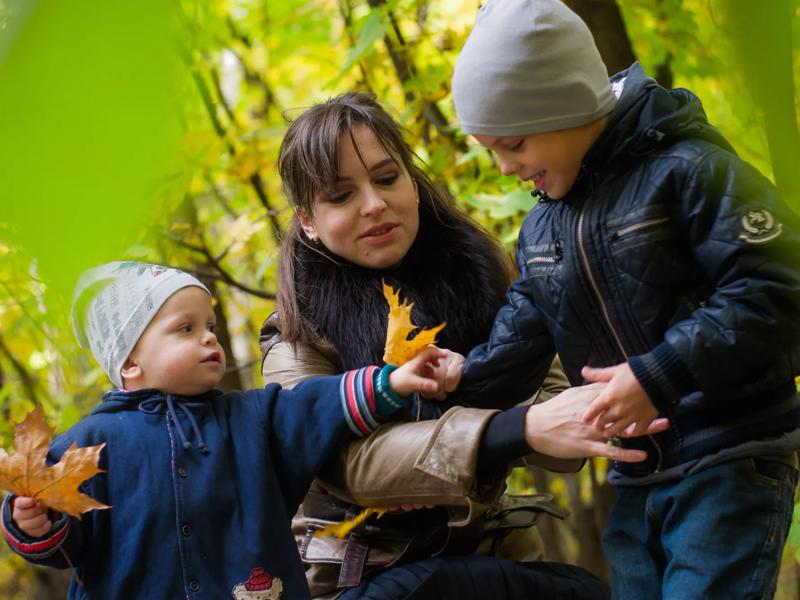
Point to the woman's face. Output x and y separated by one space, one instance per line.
371 215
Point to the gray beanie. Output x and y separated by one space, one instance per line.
529 66
114 303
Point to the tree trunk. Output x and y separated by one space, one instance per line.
605 22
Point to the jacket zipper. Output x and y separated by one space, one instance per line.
547 260
638 226
604 307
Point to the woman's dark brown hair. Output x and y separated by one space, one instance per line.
309 164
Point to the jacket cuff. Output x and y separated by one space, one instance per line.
663 376
357 393
33 547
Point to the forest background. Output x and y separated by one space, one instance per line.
150 132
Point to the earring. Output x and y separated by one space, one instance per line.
313 238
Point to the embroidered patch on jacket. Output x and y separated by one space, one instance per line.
260 586
759 226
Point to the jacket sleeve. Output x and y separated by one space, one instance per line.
67 536
512 365
379 470
745 241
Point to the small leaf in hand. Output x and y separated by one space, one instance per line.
25 473
399 349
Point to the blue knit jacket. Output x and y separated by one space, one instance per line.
202 489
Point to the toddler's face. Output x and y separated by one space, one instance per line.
551 160
179 353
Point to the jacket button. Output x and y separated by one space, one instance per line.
182 472
186 530
194 585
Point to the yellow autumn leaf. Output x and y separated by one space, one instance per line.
25 472
399 349
342 529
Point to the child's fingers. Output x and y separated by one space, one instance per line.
658 425
595 375
598 406
24 502
617 427
620 454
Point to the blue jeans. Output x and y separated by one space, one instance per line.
717 533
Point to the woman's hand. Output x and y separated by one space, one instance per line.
556 428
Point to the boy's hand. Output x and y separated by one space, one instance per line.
623 406
31 517
447 374
418 374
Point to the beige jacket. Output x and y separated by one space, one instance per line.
381 471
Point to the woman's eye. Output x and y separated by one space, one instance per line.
388 180
338 198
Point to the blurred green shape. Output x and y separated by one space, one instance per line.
760 37
89 115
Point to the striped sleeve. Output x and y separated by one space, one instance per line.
366 396
30 547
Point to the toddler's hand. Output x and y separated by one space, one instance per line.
30 515
447 374
418 374
623 406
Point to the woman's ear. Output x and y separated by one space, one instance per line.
307 225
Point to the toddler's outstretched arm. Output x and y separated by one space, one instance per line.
623 404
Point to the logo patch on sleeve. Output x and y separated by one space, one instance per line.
759 226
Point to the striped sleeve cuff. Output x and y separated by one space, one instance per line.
357 391
30 547
663 376
367 396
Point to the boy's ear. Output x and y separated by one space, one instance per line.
131 369
306 225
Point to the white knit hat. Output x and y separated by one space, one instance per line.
529 66
114 303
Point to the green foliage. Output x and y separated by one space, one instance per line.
94 93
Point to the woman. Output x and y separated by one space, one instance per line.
365 213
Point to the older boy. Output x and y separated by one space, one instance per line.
666 263
202 484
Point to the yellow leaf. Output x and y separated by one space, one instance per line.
399 349
342 529
25 473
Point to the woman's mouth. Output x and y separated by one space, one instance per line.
379 233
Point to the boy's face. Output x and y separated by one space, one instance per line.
178 353
551 160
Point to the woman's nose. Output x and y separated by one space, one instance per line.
373 202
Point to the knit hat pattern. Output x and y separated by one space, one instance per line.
529 66
114 303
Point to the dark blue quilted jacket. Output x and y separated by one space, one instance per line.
670 253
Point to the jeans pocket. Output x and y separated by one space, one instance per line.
773 472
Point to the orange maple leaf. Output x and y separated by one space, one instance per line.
25 473
399 349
